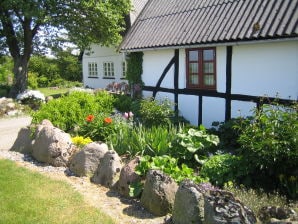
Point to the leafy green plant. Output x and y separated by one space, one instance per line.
270 140
98 127
223 168
123 103
166 164
193 145
155 113
69 111
229 132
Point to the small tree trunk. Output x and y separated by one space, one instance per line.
20 71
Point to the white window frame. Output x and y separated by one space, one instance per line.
108 69
92 70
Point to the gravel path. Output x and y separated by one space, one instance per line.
9 129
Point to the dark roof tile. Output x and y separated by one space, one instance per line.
164 23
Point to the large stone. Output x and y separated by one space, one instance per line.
159 193
52 145
86 161
276 214
108 171
128 176
23 142
189 204
221 207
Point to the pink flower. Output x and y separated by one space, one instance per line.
128 115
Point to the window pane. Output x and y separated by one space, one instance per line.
193 68
193 56
209 80
194 80
208 55
208 67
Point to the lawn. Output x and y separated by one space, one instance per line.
52 91
29 197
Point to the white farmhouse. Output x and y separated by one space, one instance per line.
217 59
105 65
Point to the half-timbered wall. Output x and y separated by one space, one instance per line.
245 74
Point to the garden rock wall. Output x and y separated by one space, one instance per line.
188 202
52 145
86 161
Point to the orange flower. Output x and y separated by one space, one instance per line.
108 120
90 118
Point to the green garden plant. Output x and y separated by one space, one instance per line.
270 143
192 145
155 113
169 166
69 111
141 140
223 168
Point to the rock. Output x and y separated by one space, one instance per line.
159 193
108 171
86 161
23 142
222 207
189 204
52 145
128 176
275 214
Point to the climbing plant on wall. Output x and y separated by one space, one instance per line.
134 72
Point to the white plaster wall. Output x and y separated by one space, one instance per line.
213 110
99 55
266 69
188 107
154 63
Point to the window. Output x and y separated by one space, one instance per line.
108 70
201 68
92 70
123 70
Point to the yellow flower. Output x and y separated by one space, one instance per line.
292 179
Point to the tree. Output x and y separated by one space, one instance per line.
29 26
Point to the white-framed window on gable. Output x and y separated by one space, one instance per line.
124 68
108 70
92 70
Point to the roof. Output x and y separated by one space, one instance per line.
170 23
138 5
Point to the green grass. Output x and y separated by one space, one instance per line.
48 91
27 197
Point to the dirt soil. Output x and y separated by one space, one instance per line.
122 210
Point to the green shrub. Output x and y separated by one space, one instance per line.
192 145
155 113
229 132
270 143
32 80
123 103
69 112
223 168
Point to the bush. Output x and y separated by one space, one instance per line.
270 143
123 103
229 132
69 112
223 168
32 98
155 113
32 80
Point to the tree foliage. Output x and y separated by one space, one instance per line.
28 26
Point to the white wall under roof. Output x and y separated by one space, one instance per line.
257 70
